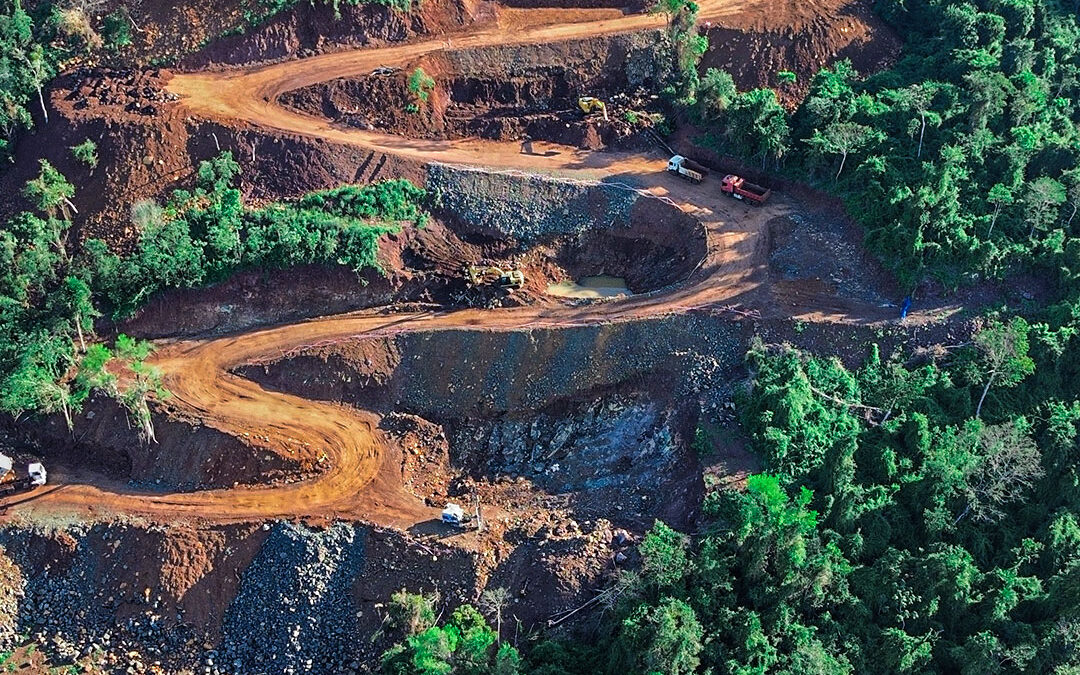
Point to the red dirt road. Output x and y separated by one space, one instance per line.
362 479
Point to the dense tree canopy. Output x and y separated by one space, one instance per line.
961 161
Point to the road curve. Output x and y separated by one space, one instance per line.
362 479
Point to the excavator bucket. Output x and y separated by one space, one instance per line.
590 104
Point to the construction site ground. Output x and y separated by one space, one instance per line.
318 422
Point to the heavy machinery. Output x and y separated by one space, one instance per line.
684 167
591 104
477 275
10 483
740 188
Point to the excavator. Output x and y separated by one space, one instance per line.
477 275
591 104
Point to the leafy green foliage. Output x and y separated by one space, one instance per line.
50 298
34 39
411 613
753 125
207 234
689 46
466 644
420 85
86 152
895 532
663 554
663 639
116 29
961 161
263 10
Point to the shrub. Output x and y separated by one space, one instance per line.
86 152
421 85
116 29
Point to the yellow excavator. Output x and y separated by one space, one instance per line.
591 104
477 275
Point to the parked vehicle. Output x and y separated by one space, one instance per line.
740 188
687 168
11 483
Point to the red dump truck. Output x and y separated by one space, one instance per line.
684 167
740 188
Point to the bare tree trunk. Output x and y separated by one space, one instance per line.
41 100
1072 215
993 220
921 132
842 160
978 408
78 327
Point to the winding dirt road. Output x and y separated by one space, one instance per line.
362 480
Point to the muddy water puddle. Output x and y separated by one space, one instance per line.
600 286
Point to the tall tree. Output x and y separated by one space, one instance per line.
1003 351
1000 196
841 138
1042 197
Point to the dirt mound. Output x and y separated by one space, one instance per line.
11 593
755 42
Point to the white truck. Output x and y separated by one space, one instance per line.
687 169
11 484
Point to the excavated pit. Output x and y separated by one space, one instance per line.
603 229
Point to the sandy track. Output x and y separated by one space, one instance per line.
361 479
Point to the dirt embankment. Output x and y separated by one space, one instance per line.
441 375
313 28
508 92
148 146
801 37
201 33
186 455
552 230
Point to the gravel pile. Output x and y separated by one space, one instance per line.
67 611
528 208
11 593
812 246
294 612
